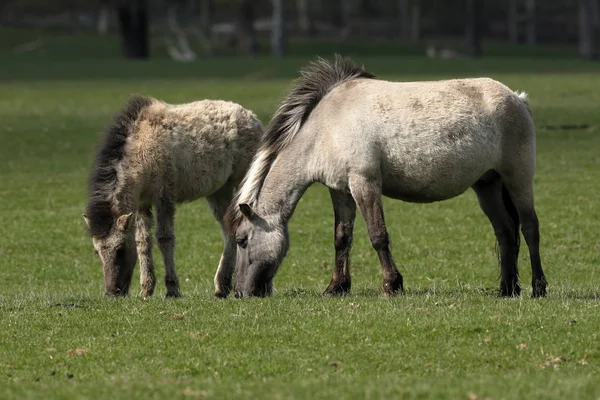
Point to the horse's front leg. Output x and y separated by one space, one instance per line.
143 238
165 235
218 203
344 209
367 194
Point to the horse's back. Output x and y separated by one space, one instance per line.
426 141
203 144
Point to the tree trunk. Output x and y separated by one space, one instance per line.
596 13
404 17
103 19
587 33
473 27
133 27
366 8
304 22
340 17
513 21
415 26
206 16
277 28
246 35
178 47
531 36
346 12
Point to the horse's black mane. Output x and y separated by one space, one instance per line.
111 150
315 81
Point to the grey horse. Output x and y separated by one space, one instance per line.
413 141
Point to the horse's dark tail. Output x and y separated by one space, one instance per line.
514 215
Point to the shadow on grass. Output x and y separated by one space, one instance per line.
565 293
370 292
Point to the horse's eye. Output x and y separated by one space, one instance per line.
242 242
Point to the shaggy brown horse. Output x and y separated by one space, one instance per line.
158 154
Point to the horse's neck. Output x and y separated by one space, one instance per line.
283 187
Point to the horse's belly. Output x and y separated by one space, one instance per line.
194 185
427 194
431 182
200 176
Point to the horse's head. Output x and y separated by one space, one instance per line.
262 244
117 251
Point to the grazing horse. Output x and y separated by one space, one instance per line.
413 141
158 154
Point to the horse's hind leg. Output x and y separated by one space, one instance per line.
344 209
367 194
165 235
506 228
143 238
218 203
521 193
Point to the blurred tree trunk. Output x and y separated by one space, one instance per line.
304 22
340 17
587 33
366 8
103 18
206 16
133 28
531 36
246 35
178 45
277 28
513 21
596 13
415 26
404 17
473 27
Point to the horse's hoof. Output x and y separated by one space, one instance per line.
174 294
539 288
338 288
145 295
510 289
393 286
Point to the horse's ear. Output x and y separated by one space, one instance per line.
247 211
87 221
124 221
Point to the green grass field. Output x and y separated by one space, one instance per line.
450 336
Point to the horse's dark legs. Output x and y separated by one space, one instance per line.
143 238
218 203
344 209
367 195
522 197
165 235
506 229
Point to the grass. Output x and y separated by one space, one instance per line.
448 337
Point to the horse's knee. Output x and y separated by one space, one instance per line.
506 236
380 241
531 230
166 240
342 241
